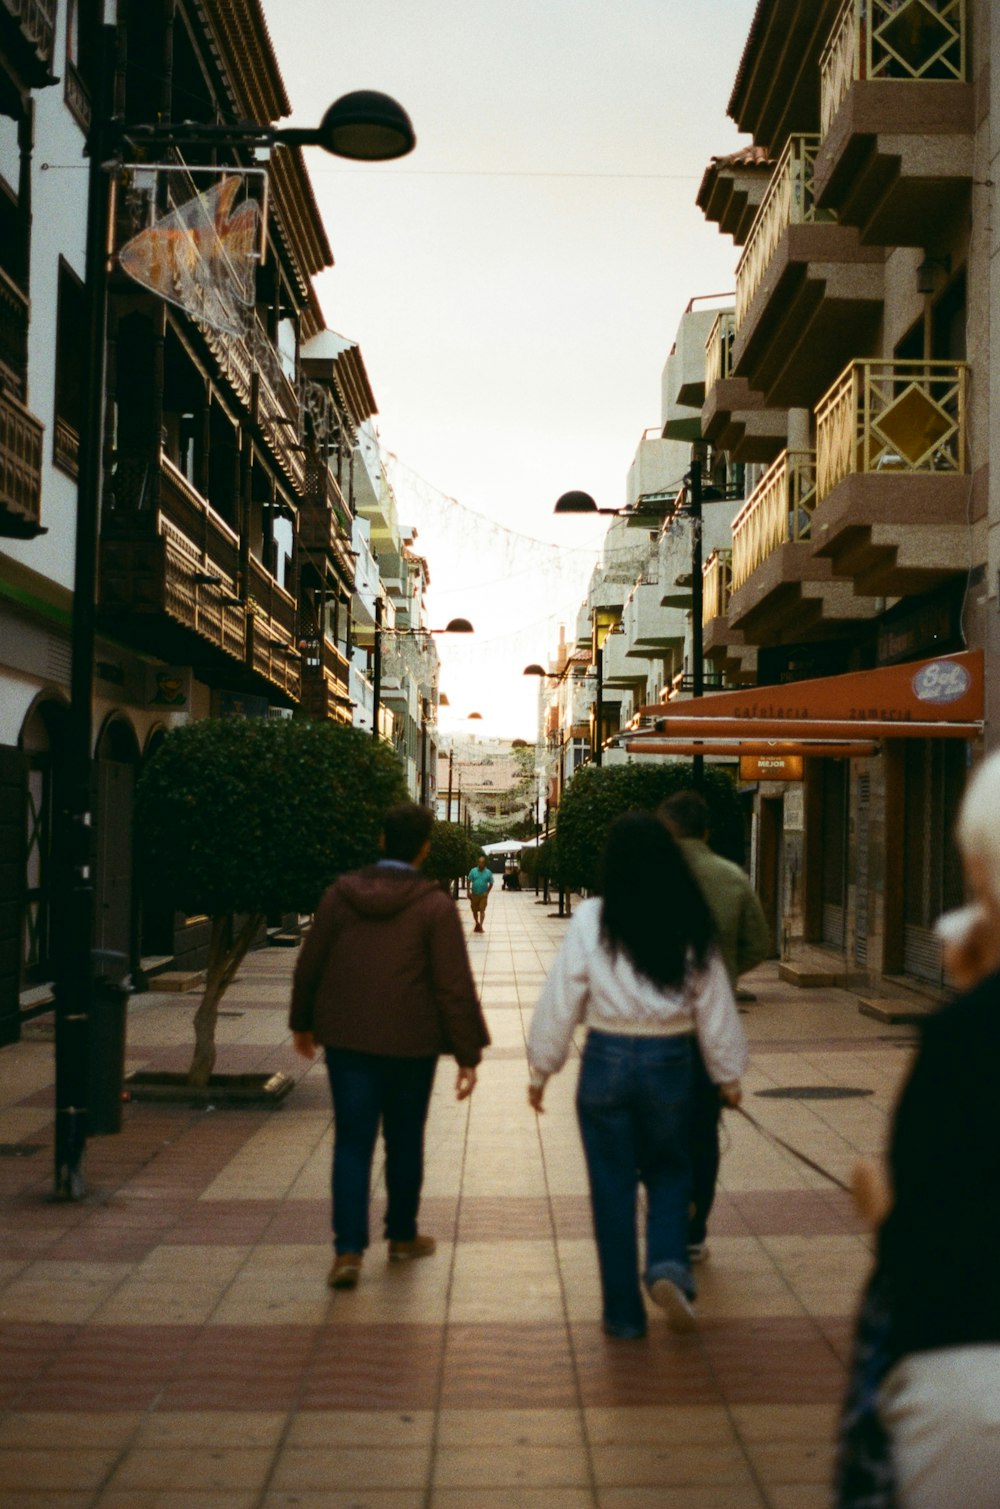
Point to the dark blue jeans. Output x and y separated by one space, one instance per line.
369 1089
633 1102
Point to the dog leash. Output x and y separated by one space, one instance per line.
773 1137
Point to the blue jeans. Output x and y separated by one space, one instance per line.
633 1102
368 1089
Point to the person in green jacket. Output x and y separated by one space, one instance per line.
744 940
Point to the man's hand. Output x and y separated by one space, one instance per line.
535 1096
731 1094
465 1083
304 1044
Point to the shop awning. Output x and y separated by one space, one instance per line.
940 698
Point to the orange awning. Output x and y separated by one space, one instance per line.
926 699
720 749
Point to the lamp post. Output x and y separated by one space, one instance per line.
365 126
454 626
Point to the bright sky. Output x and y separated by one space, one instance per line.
515 284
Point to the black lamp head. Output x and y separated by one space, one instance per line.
367 127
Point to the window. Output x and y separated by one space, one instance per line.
83 40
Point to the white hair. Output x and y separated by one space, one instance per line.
978 827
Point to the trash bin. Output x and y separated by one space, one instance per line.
106 1042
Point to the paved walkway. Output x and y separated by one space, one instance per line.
170 1341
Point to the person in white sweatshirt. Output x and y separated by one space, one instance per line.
640 969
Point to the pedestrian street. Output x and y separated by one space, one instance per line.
170 1342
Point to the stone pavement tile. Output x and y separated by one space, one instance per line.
166 1429
355 1427
691 1496
739 1279
67 1469
511 1466
222 1369
491 1366
787 1212
776 1360
395 1293
695 1424
674 1464
492 1283
512 1498
183 1498
826 1273
661 1370
796 1463
160 1301
373 1367
47 1499
204 1469
70 1430
509 1428
60 1291
351 1498
100 1368
313 1468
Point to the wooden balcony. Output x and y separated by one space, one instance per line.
253 370
14 306
20 470
806 289
892 488
324 525
898 119
780 592
36 22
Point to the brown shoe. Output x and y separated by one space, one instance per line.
401 1252
346 1270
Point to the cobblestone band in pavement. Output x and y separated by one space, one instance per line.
170 1340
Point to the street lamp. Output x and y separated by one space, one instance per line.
363 125
453 626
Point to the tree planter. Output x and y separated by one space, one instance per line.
261 1090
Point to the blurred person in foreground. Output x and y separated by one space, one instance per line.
921 1423
639 967
744 941
383 983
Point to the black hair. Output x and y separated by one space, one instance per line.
686 814
405 830
653 910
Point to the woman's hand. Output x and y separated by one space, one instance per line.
304 1044
535 1095
465 1083
731 1094
871 1191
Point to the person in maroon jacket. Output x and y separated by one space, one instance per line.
383 983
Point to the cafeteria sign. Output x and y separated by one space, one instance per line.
775 767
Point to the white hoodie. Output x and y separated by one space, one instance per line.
589 984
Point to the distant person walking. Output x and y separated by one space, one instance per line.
383 984
480 885
921 1424
744 940
639 967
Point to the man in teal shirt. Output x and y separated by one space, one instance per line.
744 940
480 885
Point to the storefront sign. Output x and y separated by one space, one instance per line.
771 767
169 687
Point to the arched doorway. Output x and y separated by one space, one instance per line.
159 917
116 764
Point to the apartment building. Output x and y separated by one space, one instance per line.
235 457
842 397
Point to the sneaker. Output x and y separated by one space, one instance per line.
623 1333
401 1252
671 1298
346 1270
697 1252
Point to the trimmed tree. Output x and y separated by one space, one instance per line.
452 855
244 818
598 794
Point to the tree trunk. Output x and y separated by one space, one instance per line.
225 955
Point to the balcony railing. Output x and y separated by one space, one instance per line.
207 607
778 511
20 464
885 416
892 39
716 577
719 349
38 23
13 334
252 366
790 200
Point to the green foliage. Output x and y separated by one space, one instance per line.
453 852
259 815
597 795
548 860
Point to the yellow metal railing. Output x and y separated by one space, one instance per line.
719 349
778 510
716 575
790 200
899 416
892 39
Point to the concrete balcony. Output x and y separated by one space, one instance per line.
734 416
620 670
892 490
651 630
898 119
733 189
808 293
780 591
